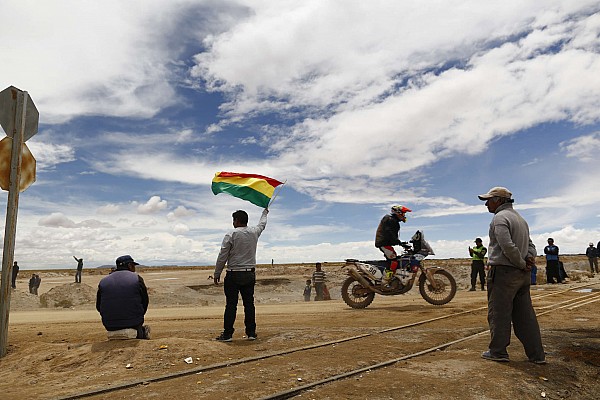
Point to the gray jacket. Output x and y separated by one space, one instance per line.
510 243
238 249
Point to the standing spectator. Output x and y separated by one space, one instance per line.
307 290
477 266
15 272
31 283
238 251
592 254
122 299
511 256
36 284
552 268
318 279
79 269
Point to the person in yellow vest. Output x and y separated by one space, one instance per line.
477 254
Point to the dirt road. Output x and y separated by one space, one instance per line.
57 353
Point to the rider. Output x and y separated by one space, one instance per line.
387 236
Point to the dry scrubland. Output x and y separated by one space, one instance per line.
57 346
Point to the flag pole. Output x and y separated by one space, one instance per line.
276 193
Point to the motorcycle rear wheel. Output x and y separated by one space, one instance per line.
445 291
355 294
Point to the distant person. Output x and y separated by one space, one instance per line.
79 269
238 252
122 299
15 272
477 266
31 283
36 284
307 290
318 279
511 256
388 236
592 254
552 267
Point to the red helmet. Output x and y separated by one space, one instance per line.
400 209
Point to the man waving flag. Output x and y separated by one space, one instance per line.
257 189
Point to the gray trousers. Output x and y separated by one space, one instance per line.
509 303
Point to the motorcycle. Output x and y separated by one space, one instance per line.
436 285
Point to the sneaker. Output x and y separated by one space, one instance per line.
251 336
146 329
223 338
488 356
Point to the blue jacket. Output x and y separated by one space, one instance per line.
551 252
122 300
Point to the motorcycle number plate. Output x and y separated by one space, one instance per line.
372 270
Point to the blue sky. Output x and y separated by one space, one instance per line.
358 107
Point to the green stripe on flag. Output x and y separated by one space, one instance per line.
242 192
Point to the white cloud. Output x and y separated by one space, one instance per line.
584 148
57 220
376 106
109 209
180 228
48 155
180 212
152 206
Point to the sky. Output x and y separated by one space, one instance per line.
356 105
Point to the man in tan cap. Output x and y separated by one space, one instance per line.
511 255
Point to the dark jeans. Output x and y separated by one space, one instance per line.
477 268
237 283
78 276
593 263
509 303
552 271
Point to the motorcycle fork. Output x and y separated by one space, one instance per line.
429 275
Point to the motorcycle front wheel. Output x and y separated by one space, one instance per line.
445 291
355 294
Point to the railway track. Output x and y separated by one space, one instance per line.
366 346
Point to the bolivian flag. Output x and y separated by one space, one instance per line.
256 189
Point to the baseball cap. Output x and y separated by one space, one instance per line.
124 260
497 191
478 240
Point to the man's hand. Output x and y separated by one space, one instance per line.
529 263
217 279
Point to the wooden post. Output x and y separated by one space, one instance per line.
10 228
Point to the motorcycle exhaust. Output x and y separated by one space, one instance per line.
363 281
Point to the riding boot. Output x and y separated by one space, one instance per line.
482 286
388 275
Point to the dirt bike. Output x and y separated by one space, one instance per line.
436 285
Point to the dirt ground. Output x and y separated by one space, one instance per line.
59 349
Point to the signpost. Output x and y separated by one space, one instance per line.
19 119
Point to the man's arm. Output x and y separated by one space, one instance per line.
223 256
510 250
144 294
262 223
98 299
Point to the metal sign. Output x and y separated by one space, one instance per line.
18 117
8 114
27 165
